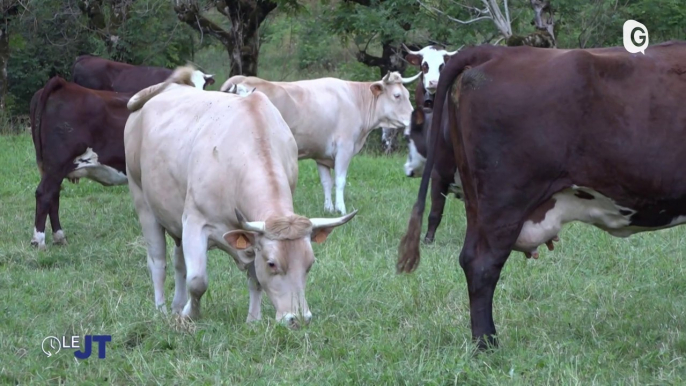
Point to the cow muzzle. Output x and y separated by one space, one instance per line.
293 321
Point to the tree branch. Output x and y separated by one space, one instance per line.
190 14
432 9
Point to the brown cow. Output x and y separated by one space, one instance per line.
77 133
546 137
102 74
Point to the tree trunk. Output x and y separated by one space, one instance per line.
8 9
4 58
242 41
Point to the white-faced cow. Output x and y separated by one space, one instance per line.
215 170
103 74
431 60
602 145
331 119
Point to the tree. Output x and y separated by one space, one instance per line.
381 26
105 17
8 9
470 12
241 39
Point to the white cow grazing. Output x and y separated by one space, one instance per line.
217 170
331 119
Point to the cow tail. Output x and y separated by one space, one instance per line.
408 250
182 75
54 84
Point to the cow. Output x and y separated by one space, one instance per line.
215 170
445 178
102 74
331 119
77 133
431 60
545 137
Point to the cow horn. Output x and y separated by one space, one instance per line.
208 76
409 51
332 222
412 79
255 226
385 78
456 51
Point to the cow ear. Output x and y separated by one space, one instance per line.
319 235
377 88
446 58
240 239
414 59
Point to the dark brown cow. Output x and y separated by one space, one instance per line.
444 176
545 137
102 74
77 133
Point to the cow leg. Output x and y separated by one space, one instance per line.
327 184
47 192
180 291
341 169
153 233
255 306
58 237
439 191
482 258
195 252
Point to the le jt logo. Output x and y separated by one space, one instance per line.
52 345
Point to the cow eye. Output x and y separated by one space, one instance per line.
397 96
440 68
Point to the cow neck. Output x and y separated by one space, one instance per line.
367 98
261 208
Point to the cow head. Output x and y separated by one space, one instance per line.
281 252
431 60
201 80
392 101
417 141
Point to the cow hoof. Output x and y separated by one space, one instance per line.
58 238
188 313
40 246
328 208
177 307
428 240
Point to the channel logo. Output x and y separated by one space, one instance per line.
635 37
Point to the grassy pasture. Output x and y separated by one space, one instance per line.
597 310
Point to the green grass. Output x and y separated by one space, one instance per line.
597 310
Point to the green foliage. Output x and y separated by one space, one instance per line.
304 39
46 42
